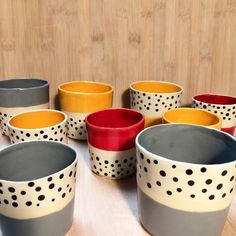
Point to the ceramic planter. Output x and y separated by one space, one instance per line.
80 98
111 138
37 188
38 125
186 179
19 95
222 105
153 98
192 116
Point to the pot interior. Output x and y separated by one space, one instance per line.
188 143
32 160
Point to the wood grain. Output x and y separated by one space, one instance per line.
190 42
106 207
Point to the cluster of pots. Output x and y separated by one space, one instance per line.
184 158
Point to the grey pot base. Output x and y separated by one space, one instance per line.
160 220
55 224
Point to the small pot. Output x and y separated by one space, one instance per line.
38 125
80 98
192 116
37 188
222 105
153 98
111 139
19 95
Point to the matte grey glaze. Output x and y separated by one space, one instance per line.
56 224
23 92
188 143
161 220
31 160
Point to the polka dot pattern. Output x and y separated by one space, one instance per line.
184 185
112 164
226 112
7 113
76 125
39 197
56 133
152 104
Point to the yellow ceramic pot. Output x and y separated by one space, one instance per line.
153 98
80 98
192 116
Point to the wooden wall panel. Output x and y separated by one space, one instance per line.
190 42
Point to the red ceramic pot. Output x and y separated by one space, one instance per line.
111 139
222 105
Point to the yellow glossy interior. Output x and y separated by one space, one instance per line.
37 119
192 116
86 87
156 87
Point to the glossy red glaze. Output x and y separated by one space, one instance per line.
114 129
216 99
230 130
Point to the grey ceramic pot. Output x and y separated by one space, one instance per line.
19 95
37 188
186 179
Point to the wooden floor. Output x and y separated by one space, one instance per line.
107 207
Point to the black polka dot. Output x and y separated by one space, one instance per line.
6 201
61 176
149 185
169 192
211 197
219 186
203 169
41 197
232 178
162 173
125 160
224 195
231 190
208 181
70 173
45 136
190 182
224 173
27 134
37 189
41 131
14 197
53 200
141 155
28 203
51 186
179 190
175 179
63 195
23 192
148 161
173 166
155 162
189 172
15 204
204 190
49 179
11 189
1 192
97 158
145 169
192 196
106 162
31 184
158 183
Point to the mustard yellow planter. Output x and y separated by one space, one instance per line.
80 98
192 116
42 124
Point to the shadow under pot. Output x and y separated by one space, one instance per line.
19 95
38 125
186 179
222 105
37 186
153 98
80 98
192 116
111 140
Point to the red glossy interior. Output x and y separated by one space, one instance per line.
114 129
216 99
114 118
230 130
